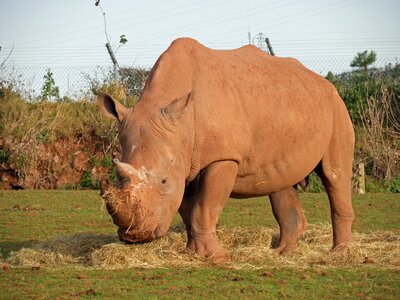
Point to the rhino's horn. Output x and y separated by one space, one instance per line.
123 169
127 171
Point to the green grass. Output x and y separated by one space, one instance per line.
30 216
214 283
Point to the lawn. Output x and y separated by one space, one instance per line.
31 217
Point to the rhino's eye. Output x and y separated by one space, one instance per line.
164 181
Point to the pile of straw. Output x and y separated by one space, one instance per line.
249 248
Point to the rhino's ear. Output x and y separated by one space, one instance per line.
110 107
175 109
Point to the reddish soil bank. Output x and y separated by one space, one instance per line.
68 163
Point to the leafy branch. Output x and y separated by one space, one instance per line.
122 39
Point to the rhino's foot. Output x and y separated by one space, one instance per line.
341 247
290 236
343 243
209 247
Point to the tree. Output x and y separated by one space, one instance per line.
363 59
49 89
122 41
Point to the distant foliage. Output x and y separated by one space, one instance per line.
394 185
4 156
128 87
89 182
379 135
363 59
49 89
356 87
134 79
314 184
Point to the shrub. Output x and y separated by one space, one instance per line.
126 89
4 157
394 185
314 184
357 86
49 89
380 129
88 182
373 185
69 186
112 176
106 162
33 128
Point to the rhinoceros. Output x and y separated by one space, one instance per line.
213 124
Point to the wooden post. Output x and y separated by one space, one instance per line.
360 178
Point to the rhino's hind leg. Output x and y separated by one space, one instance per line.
215 186
336 178
288 213
335 170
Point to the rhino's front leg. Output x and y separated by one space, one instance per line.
185 210
215 186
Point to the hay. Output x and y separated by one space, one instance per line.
113 197
62 251
250 248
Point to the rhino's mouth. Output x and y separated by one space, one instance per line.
140 236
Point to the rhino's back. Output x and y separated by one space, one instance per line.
271 115
188 66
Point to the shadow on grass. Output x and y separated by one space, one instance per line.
7 247
79 245
75 249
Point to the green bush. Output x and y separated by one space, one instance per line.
112 176
4 157
355 87
49 89
106 161
394 185
88 182
314 184
373 185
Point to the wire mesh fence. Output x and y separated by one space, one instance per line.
78 81
69 81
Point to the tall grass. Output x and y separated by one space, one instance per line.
30 132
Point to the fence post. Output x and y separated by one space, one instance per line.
271 51
114 60
360 178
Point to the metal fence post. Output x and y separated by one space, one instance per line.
114 60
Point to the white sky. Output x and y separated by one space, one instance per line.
54 32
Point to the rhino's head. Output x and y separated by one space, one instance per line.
153 168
